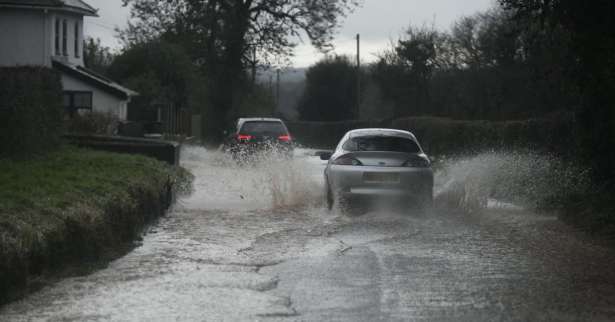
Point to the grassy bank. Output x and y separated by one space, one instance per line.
74 206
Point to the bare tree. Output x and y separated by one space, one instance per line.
96 56
227 36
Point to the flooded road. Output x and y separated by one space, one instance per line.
256 243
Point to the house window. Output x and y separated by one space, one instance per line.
77 100
77 47
64 37
57 36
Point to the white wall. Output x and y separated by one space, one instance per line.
22 37
27 37
101 101
71 20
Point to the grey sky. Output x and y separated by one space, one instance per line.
378 22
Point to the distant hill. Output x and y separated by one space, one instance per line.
286 75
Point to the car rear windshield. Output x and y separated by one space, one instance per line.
381 143
263 128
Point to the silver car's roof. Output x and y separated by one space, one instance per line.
379 131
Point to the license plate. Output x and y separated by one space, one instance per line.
378 177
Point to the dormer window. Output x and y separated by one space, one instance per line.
64 37
77 42
57 36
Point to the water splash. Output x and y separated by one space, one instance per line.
289 182
525 179
265 180
272 180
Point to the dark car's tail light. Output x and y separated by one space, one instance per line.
242 137
347 160
284 138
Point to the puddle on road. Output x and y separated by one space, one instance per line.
197 263
203 260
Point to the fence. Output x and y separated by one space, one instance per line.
175 121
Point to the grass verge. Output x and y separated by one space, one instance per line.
75 206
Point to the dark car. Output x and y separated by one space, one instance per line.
252 135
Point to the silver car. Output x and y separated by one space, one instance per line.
378 163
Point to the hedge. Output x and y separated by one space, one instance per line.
31 112
326 134
552 134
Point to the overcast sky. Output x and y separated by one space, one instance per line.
378 22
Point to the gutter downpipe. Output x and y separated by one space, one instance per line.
45 36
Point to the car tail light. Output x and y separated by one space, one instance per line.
284 138
347 160
242 137
419 161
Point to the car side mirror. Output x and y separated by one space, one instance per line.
324 155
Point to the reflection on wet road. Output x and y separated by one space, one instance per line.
256 243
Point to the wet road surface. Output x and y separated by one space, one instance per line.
256 243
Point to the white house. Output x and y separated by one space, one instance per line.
50 33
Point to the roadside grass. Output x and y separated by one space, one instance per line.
62 178
75 205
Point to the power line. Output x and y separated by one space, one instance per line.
108 27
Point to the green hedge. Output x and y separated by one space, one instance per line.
93 123
554 134
447 136
326 135
31 112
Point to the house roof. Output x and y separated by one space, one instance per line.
77 6
95 79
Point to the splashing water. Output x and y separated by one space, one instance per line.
525 179
289 182
258 181
272 180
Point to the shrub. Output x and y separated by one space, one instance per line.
93 123
444 136
325 134
31 110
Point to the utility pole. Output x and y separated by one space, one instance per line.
253 63
277 94
357 113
